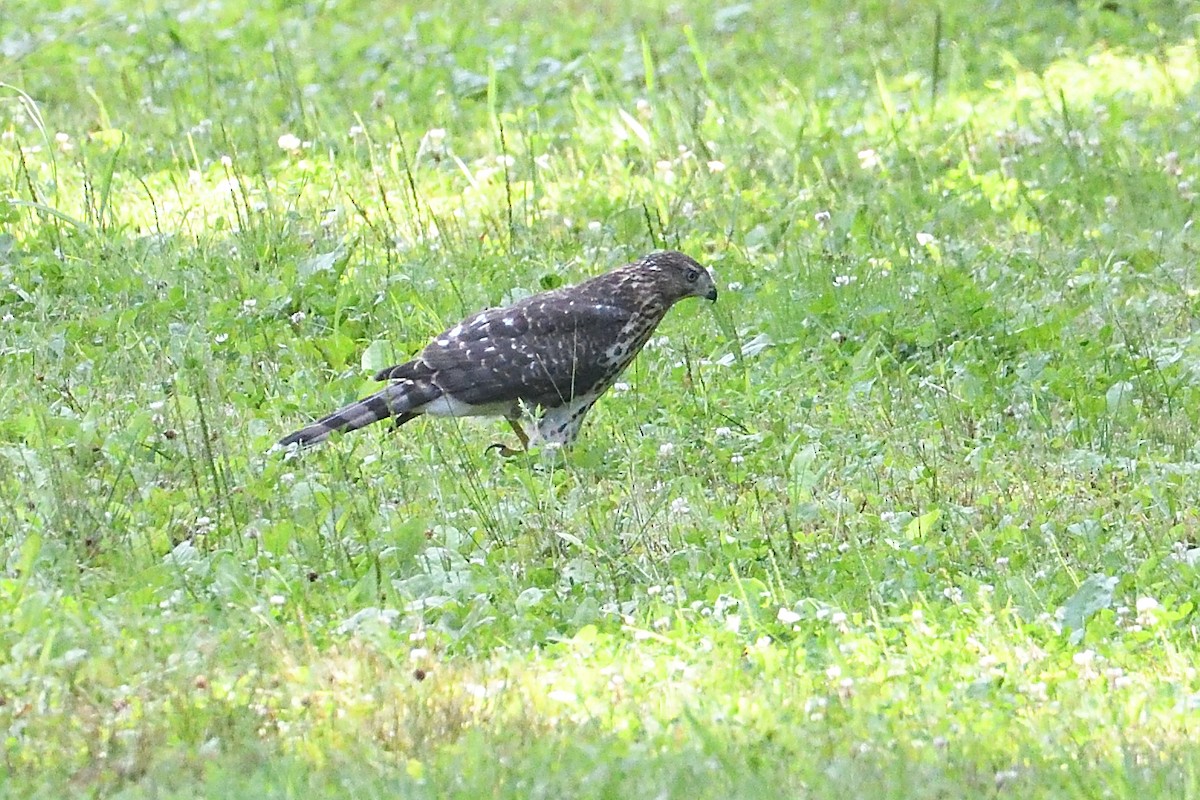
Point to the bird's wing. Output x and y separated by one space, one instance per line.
542 353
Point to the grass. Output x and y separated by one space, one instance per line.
912 513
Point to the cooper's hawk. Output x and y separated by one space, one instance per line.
553 353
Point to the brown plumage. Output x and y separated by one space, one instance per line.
555 352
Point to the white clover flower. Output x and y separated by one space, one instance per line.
289 142
1147 611
716 166
680 507
925 239
1005 776
1170 164
869 159
822 217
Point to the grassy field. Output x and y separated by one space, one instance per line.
912 512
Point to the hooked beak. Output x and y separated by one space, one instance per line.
712 295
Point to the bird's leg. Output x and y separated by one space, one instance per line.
520 432
507 451
400 420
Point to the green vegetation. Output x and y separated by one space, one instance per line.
912 513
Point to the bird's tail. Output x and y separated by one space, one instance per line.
401 400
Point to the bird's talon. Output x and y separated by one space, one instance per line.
505 450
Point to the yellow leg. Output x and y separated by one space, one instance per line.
520 432
507 451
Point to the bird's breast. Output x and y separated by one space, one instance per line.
628 343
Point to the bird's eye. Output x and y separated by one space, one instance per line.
692 275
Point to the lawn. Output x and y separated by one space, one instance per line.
911 512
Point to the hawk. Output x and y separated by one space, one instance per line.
553 354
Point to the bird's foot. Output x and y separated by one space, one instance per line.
504 450
507 451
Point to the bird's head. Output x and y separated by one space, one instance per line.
677 276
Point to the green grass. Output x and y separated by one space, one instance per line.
912 513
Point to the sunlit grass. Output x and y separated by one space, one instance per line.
910 513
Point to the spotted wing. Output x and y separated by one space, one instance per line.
541 353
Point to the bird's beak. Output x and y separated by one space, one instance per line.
712 294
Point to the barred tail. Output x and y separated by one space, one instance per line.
402 400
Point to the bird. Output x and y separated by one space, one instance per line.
550 355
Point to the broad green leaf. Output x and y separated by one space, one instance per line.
1093 594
